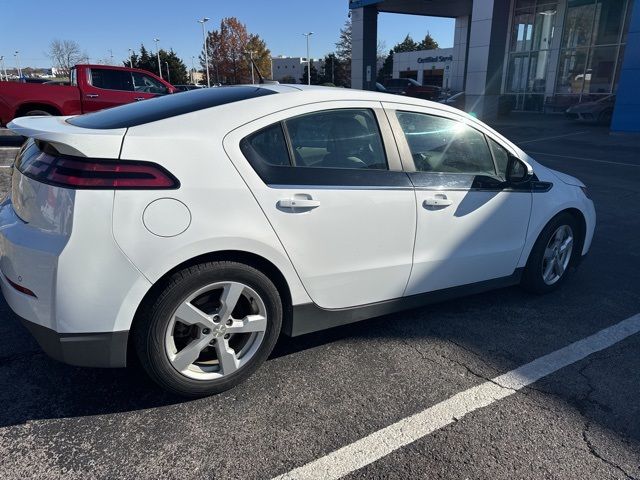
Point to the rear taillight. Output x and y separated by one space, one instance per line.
85 173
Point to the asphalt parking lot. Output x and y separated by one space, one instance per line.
322 392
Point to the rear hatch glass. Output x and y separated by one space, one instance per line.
155 109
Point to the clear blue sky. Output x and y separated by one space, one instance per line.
30 25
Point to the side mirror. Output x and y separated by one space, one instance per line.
517 171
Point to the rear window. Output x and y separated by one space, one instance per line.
168 106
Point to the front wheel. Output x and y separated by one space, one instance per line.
552 255
209 329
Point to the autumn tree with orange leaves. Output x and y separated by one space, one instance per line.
229 57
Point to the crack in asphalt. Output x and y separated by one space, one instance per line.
586 398
579 404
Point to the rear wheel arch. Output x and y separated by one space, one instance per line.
27 108
256 261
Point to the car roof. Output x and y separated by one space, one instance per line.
169 106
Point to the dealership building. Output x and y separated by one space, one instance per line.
545 54
428 67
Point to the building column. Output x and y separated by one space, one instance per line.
626 113
364 40
489 25
459 64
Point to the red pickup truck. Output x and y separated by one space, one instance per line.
93 87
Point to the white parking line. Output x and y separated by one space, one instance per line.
584 159
550 138
381 443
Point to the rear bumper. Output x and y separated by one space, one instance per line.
103 350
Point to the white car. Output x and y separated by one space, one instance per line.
192 229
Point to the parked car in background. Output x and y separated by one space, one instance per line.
188 87
194 229
598 111
411 88
456 100
92 87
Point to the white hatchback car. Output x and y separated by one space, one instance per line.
193 229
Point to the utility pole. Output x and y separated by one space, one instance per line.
17 55
193 70
308 34
158 53
168 73
250 52
131 58
202 21
111 56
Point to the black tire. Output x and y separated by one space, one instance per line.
532 278
34 113
605 117
151 325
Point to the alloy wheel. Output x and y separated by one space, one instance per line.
557 254
216 330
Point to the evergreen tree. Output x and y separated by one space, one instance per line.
314 75
386 72
407 45
428 43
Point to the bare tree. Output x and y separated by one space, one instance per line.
65 54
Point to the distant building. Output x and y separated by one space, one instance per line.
427 67
284 67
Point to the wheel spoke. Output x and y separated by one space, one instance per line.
558 267
229 299
226 357
566 243
548 253
190 353
548 269
251 323
190 315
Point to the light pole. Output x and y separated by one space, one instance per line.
131 58
308 59
168 73
17 55
111 56
158 53
202 21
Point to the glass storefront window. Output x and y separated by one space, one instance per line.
571 71
578 23
608 21
544 23
593 36
522 32
600 70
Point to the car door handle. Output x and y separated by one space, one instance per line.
137 99
298 202
438 200
92 95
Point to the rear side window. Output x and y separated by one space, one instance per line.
267 146
111 79
442 145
